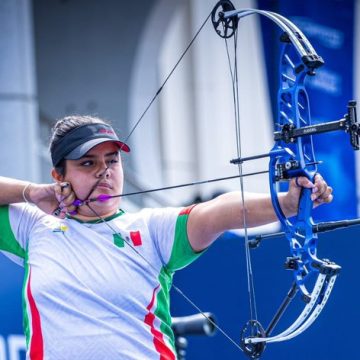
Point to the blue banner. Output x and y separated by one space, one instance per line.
12 340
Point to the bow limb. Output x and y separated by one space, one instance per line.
321 294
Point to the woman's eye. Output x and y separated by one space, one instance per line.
114 161
87 163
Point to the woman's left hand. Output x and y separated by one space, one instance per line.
321 192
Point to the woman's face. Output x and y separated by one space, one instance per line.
102 165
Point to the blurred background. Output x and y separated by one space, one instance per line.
108 58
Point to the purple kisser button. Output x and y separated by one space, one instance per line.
78 202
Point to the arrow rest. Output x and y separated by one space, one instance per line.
225 28
252 329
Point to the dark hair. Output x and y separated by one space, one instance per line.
63 126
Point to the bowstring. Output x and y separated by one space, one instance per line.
235 89
167 78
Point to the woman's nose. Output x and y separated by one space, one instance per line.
103 171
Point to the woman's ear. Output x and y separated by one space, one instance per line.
56 176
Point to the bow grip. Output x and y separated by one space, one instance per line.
305 208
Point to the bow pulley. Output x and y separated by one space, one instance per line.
252 329
225 27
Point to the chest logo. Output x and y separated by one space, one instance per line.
62 228
133 238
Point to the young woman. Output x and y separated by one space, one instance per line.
97 279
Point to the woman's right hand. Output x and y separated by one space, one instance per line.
51 197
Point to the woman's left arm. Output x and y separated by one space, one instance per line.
210 219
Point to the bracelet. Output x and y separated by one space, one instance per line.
23 193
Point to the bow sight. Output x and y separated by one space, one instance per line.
349 124
291 156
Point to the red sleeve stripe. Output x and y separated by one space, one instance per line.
164 351
187 210
36 344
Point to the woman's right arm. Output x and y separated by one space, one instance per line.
11 190
46 197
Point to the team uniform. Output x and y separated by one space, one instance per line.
88 294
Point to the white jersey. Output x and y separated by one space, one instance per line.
87 293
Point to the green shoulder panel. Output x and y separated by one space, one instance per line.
182 253
8 241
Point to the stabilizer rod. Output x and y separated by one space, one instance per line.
317 228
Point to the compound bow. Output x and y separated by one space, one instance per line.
292 156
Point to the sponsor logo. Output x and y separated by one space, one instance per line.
106 131
62 228
306 131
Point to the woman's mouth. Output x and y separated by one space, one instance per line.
104 185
